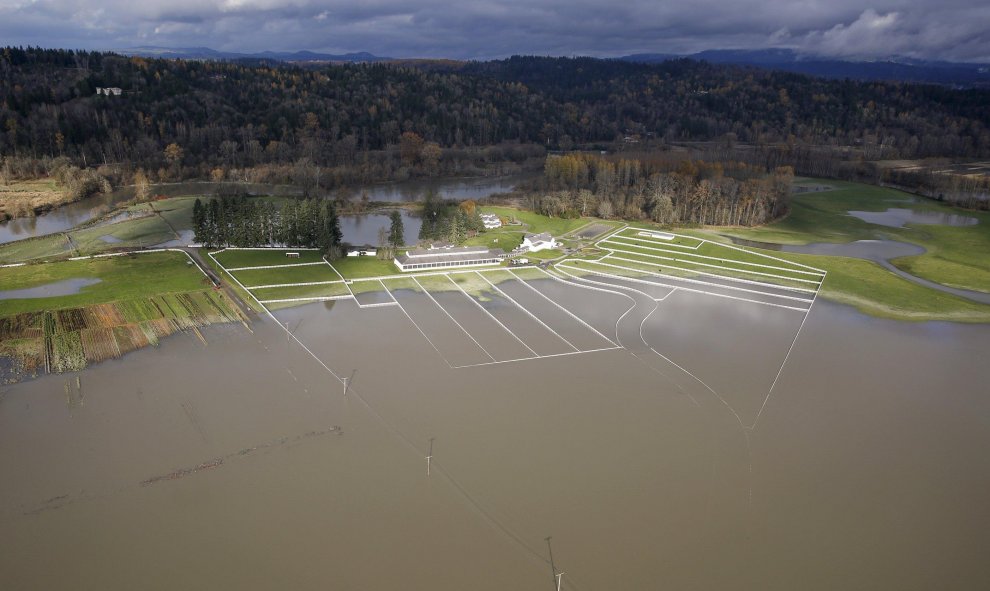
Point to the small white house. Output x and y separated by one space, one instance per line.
491 221
362 252
538 242
112 91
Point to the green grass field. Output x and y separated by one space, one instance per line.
121 278
233 258
359 267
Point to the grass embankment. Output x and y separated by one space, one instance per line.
138 300
24 198
956 256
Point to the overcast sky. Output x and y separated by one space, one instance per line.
945 29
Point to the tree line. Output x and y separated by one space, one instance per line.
662 190
245 222
330 125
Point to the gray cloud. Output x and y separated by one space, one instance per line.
950 29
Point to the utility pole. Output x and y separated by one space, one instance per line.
429 458
347 381
553 568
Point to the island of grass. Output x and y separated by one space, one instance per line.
129 302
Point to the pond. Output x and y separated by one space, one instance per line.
896 217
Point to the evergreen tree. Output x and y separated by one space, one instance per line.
396 234
199 222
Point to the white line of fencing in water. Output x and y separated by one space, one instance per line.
684 279
530 314
718 275
720 259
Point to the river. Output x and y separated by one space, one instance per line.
242 464
71 215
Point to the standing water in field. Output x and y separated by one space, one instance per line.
640 473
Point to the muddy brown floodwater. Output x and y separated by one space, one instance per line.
241 464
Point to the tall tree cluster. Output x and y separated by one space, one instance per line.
244 222
448 221
664 191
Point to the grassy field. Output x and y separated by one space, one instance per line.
122 277
233 258
957 256
21 198
139 299
48 247
359 267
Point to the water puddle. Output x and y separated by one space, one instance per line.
896 217
49 290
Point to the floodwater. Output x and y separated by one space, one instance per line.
362 229
896 217
69 216
864 468
49 290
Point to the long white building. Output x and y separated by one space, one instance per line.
446 257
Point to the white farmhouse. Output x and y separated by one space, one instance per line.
538 242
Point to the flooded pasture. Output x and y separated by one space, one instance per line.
243 463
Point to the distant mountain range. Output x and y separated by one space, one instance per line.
205 53
891 68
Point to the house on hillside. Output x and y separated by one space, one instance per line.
538 242
111 91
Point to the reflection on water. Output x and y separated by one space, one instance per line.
896 217
362 229
49 290
873 250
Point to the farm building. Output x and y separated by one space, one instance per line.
538 242
491 221
445 257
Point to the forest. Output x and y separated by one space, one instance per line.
332 125
247 222
661 190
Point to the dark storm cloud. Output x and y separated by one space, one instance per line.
954 29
